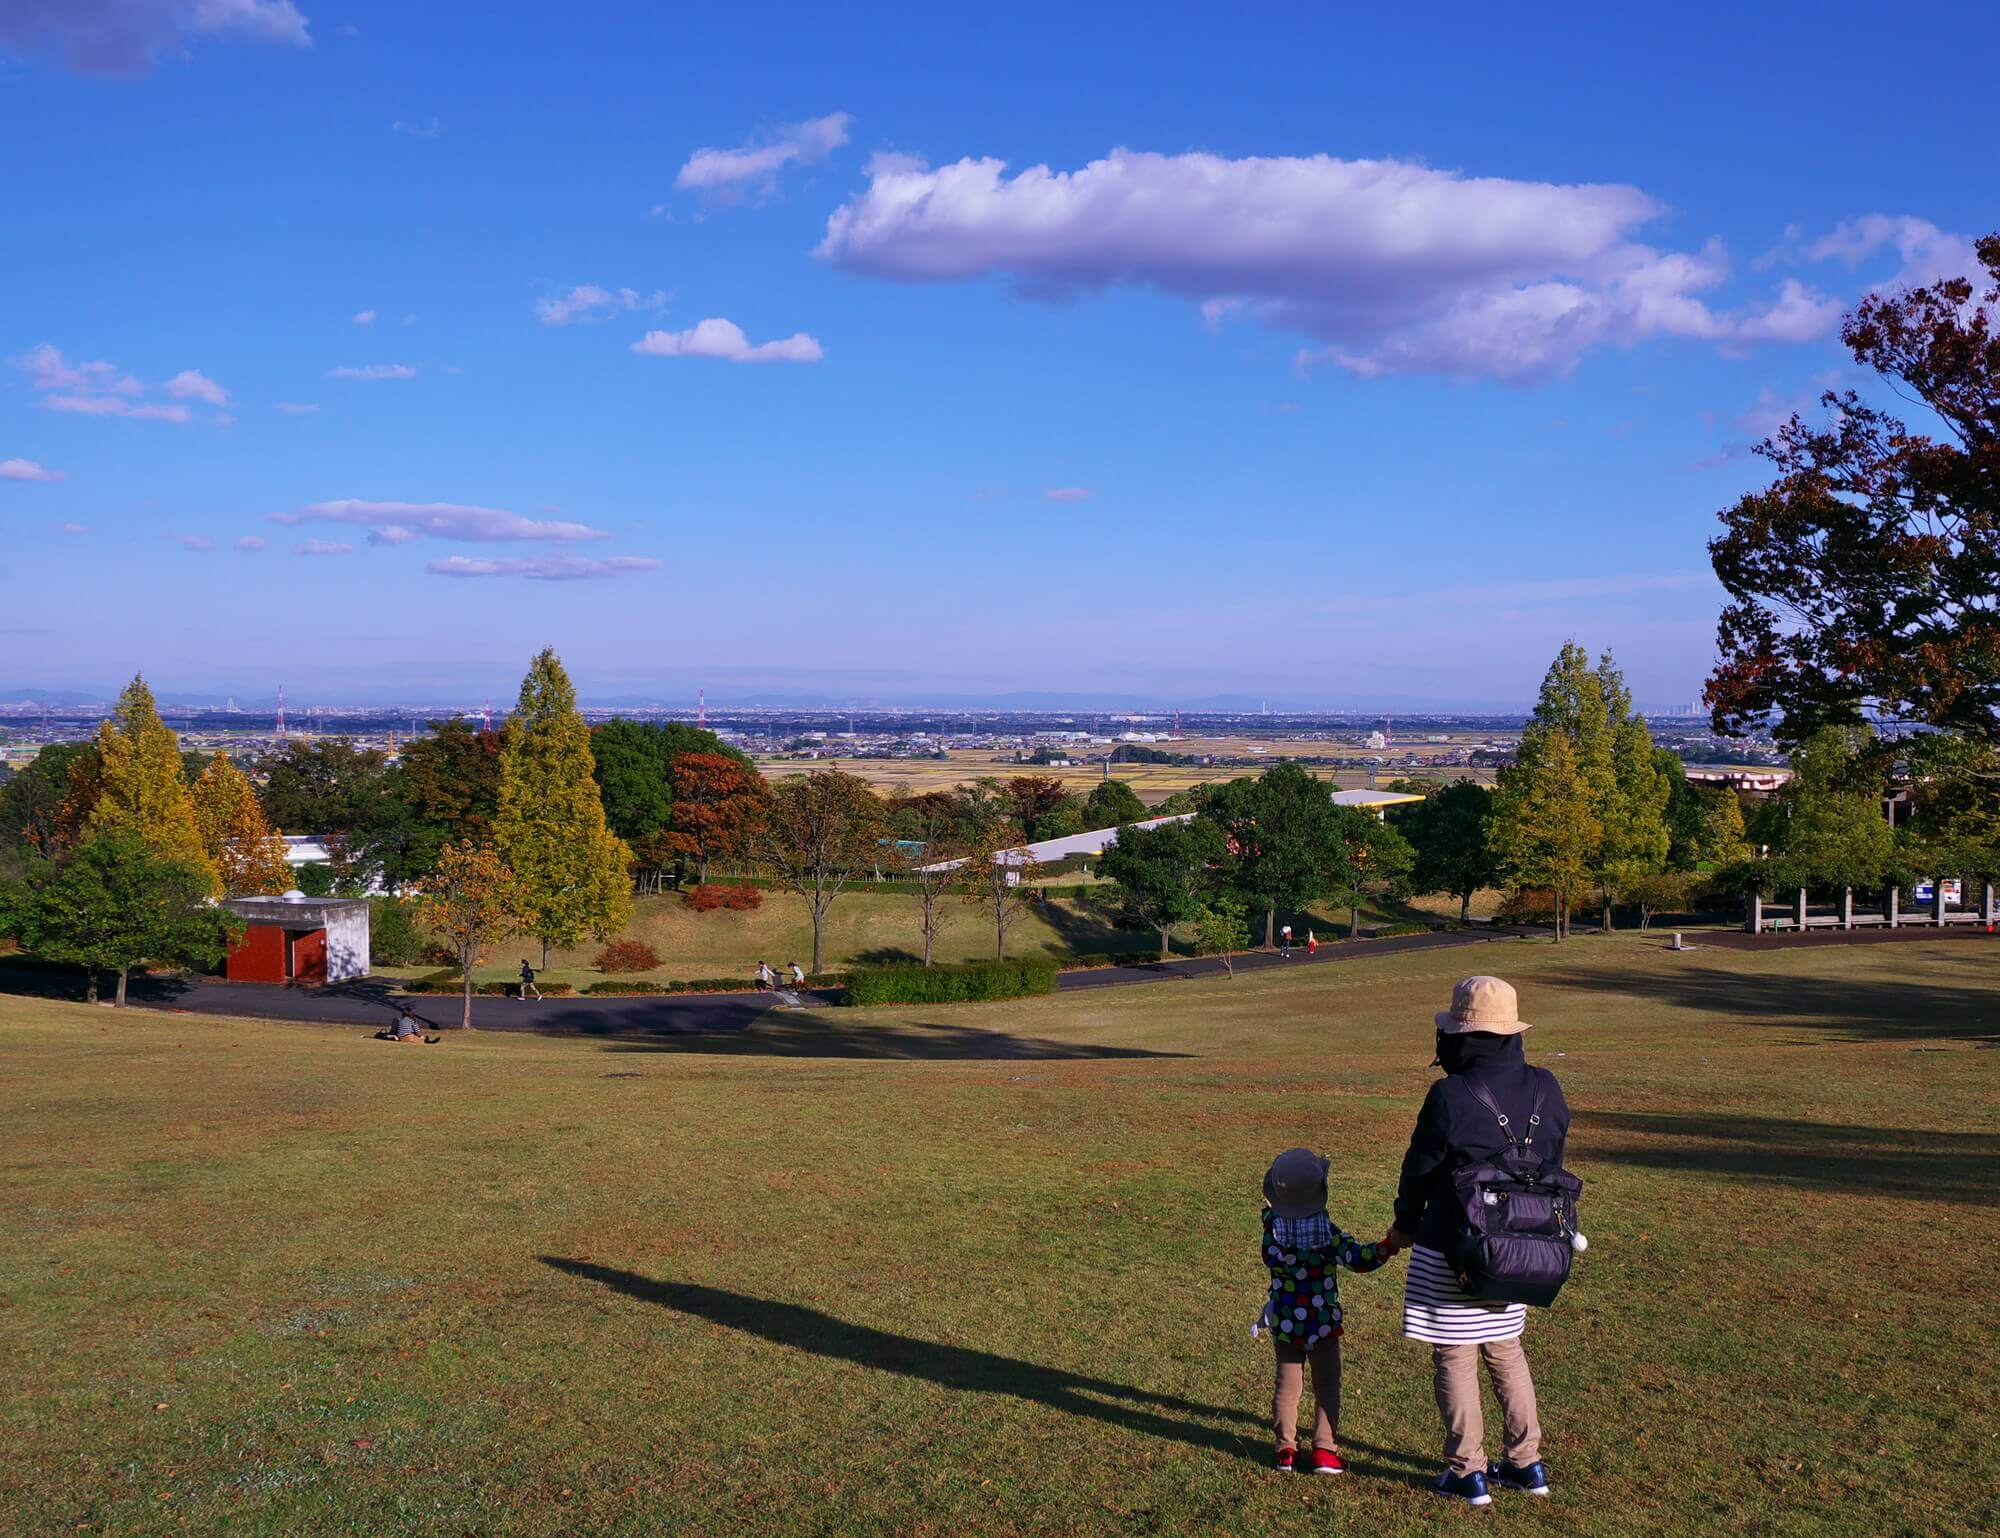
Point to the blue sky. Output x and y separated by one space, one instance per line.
1325 358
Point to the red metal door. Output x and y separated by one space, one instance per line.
259 957
309 956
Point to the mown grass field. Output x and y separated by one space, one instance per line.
863 927
997 1279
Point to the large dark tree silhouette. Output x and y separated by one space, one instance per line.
1865 579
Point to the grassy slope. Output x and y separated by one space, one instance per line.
861 926
286 1280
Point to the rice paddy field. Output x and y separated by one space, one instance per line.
996 1277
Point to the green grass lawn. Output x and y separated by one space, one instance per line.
990 1270
862 927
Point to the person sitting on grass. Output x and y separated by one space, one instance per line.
407 1028
1303 1252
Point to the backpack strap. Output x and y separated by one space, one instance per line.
1519 1144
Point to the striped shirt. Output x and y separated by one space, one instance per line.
1436 1309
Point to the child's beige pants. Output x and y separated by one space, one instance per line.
1290 1384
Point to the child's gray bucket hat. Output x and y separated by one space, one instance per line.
1295 1184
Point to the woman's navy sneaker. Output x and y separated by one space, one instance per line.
1529 1479
1470 1488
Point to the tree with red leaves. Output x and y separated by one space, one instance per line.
718 807
1865 580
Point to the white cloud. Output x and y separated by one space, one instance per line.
1926 252
417 128
1393 267
200 543
364 317
192 385
250 543
297 408
543 568
730 172
719 338
74 528
101 389
26 470
1068 494
129 37
317 547
397 523
373 371
589 302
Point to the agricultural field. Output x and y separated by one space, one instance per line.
997 1277
1153 783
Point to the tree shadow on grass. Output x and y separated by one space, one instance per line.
789 1034
1955 1000
1953 1167
961 1368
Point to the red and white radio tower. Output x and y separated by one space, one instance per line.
281 712
486 714
701 708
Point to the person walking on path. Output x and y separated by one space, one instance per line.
1303 1251
798 975
528 988
765 977
1479 1048
1285 942
1312 943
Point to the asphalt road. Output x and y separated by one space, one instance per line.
372 1002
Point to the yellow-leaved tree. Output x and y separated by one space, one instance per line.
141 789
246 851
571 873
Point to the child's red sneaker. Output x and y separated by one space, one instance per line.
1286 1460
1326 1461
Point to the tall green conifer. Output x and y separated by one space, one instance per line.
141 788
571 872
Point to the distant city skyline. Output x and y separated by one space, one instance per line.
1320 357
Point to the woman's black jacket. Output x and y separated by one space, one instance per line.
1454 1130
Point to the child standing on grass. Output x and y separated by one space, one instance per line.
1303 1252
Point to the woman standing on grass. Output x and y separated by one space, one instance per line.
1479 1048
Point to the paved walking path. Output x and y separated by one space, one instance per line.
372 1001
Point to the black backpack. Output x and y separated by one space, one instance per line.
1516 1214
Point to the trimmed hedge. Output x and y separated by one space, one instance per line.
622 990
721 897
908 983
1386 931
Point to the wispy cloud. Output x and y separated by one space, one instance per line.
318 547
297 408
101 389
372 371
543 568
756 166
74 528
719 338
201 544
1394 267
417 128
588 302
249 544
1068 494
130 37
397 523
364 317
27 470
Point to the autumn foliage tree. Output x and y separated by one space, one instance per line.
140 788
1862 578
819 831
468 904
247 853
718 806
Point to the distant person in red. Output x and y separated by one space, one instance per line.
1312 943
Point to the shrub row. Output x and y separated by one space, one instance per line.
715 897
912 984
1426 927
1106 959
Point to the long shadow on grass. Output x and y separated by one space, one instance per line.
827 1036
954 1367
1933 1001
1954 1167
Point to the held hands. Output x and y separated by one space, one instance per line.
1393 1241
